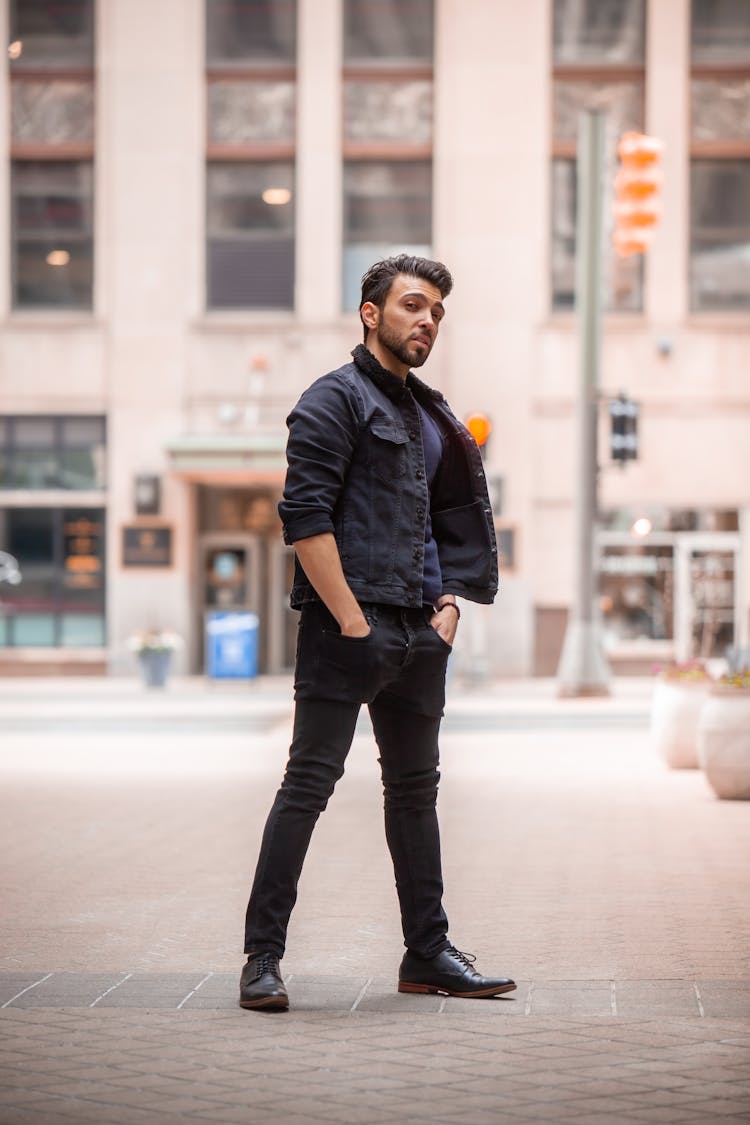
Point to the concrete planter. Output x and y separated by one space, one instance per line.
675 709
724 742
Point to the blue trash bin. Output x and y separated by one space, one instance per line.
232 645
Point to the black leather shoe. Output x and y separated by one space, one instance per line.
450 972
261 985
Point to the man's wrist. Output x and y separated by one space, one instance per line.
445 604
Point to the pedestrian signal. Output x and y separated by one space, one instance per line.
480 428
638 184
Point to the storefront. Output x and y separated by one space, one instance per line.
669 586
53 524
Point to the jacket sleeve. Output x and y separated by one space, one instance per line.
323 431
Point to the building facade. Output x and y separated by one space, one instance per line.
194 188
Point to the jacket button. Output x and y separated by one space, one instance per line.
412 434
420 474
420 511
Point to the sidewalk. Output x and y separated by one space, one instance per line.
614 891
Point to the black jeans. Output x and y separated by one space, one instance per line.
399 672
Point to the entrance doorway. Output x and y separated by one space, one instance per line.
706 605
243 564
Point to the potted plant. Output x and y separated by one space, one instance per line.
724 737
154 649
679 694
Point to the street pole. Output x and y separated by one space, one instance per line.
583 668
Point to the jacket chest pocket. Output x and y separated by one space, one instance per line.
388 449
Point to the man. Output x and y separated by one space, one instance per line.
386 505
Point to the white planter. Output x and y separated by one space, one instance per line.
724 742
675 709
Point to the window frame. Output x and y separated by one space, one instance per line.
257 152
9 446
567 149
730 149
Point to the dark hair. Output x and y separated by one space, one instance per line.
377 282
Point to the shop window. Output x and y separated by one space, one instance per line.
637 594
51 55
387 127
60 599
720 156
39 452
599 63
251 110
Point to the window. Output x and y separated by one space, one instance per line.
52 142
720 156
599 59
387 114
60 599
251 93
42 453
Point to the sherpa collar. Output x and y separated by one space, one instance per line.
389 383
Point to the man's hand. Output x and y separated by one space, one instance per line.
356 628
445 621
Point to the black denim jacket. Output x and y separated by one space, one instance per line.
356 469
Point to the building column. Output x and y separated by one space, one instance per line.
318 171
668 115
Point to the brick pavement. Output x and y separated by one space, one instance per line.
617 894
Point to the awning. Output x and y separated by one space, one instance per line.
229 458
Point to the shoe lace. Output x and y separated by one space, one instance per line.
266 963
467 959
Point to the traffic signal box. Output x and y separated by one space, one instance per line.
623 413
637 193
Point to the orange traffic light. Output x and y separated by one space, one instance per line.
637 190
480 428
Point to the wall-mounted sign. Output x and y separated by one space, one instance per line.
83 552
146 546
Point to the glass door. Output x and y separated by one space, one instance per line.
230 576
707 606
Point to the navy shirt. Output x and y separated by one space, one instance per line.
432 443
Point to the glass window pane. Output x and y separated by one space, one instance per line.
388 30
721 31
30 538
623 277
82 630
83 560
599 32
637 594
52 229
720 234
53 112
720 108
250 112
250 31
83 431
387 210
38 468
622 101
34 630
82 468
4 629
34 433
251 235
51 34
388 111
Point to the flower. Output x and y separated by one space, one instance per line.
690 670
154 640
736 679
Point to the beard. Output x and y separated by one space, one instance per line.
412 357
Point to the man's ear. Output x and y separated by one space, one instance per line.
370 314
